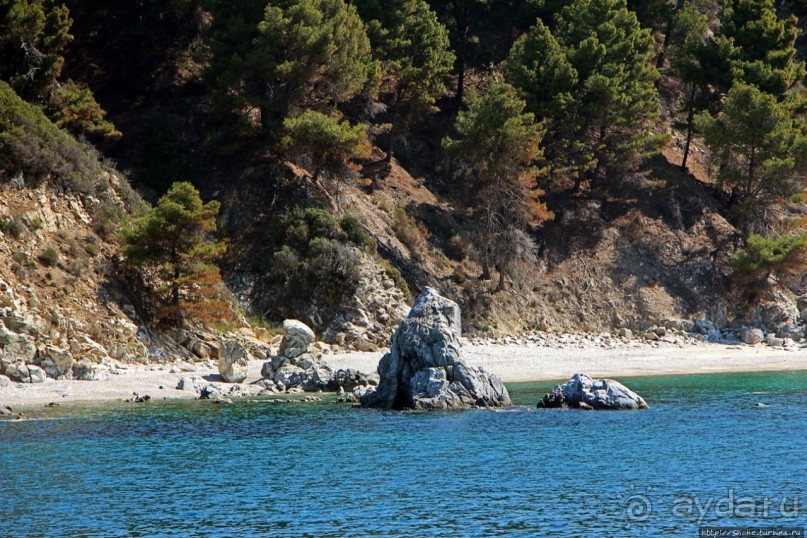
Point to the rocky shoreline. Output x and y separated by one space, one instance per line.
512 362
531 357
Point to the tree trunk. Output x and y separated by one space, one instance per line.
392 130
485 269
679 4
578 181
460 94
501 284
690 127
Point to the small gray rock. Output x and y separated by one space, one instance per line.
592 394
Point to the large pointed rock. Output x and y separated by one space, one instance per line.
424 369
583 392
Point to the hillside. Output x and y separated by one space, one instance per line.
388 190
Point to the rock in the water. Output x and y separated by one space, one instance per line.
583 392
423 369
211 391
752 336
297 339
361 392
233 362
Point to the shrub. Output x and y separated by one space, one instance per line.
459 246
299 226
33 146
762 257
49 257
91 244
285 263
36 224
22 258
410 232
356 234
13 227
395 275
334 269
77 267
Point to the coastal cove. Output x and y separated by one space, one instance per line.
174 468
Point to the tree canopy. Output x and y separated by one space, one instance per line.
764 45
305 53
593 79
173 243
758 148
501 142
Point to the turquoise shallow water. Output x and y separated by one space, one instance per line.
326 469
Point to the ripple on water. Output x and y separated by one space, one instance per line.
321 469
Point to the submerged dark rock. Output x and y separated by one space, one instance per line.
424 369
583 392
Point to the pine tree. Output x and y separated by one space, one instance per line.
467 22
310 54
539 68
604 118
73 107
501 141
415 54
758 149
617 98
764 45
686 50
326 143
173 245
761 257
33 35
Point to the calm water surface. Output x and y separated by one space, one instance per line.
703 454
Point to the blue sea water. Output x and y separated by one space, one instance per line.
703 454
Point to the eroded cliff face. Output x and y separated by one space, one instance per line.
654 252
60 308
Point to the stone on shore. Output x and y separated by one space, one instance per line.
233 362
297 339
26 373
424 369
583 392
57 363
299 364
86 370
751 336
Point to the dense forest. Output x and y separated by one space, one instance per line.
515 112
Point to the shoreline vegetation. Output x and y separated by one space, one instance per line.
513 362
